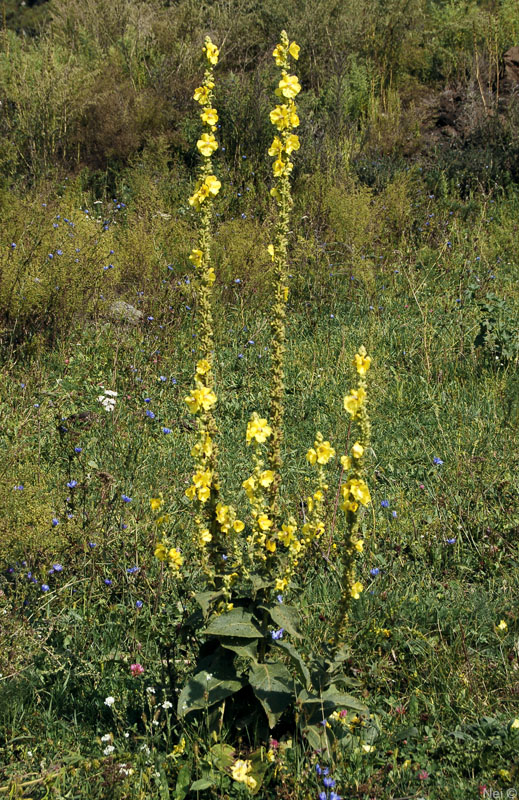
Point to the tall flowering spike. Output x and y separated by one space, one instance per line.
355 493
284 118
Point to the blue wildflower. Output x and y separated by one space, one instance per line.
437 461
138 604
384 503
45 587
126 499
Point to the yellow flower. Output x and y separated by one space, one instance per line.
279 55
311 456
502 626
278 167
161 552
238 525
294 50
209 116
289 86
362 361
203 366
349 505
210 276
406 764
359 545
515 723
356 589
358 489
196 257
200 398
354 401
324 452
281 584
175 560
270 545
213 185
201 95
266 477
156 502
222 513
357 450
276 148
367 748
264 522
258 429
292 143
211 51
280 117
190 492
249 485
271 251
346 462
205 536
239 772
207 144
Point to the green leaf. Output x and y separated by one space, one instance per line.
259 766
183 781
248 648
332 699
236 623
316 736
222 756
204 600
296 661
273 686
203 783
286 617
215 680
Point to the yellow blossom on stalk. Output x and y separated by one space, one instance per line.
362 361
354 401
240 772
210 276
266 477
203 366
200 398
271 251
207 144
238 525
324 452
357 450
281 584
279 55
515 724
250 486
346 462
289 86
294 50
264 522
359 545
175 559
161 551
270 545
211 51
276 148
356 590
201 94
292 143
502 626
284 117
209 116
311 456
205 536
156 502
358 489
196 257
258 429
279 167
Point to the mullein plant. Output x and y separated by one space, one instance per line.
250 567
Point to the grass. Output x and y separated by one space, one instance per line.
440 568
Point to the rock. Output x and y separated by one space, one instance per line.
124 312
510 79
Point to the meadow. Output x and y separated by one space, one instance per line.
135 665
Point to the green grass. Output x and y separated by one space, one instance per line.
439 677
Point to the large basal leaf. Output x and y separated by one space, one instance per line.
205 599
274 688
286 617
248 648
296 661
214 680
237 623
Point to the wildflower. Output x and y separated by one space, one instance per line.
240 772
19 488
211 51
437 461
125 498
209 116
156 502
277 634
384 503
54 522
107 399
375 571
502 626
361 361
356 589
136 669
451 541
289 86
167 704
132 570
72 484
108 749
258 429
207 144
109 701
196 257
200 398
515 724
44 587
354 401
108 582
357 450
423 775
201 94
150 414
166 430
138 604
57 567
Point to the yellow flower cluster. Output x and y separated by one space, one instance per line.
208 186
200 398
284 116
321 453
173 556
240 772
258 429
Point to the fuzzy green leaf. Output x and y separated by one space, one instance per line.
274 688
286 617
236 623
296 661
